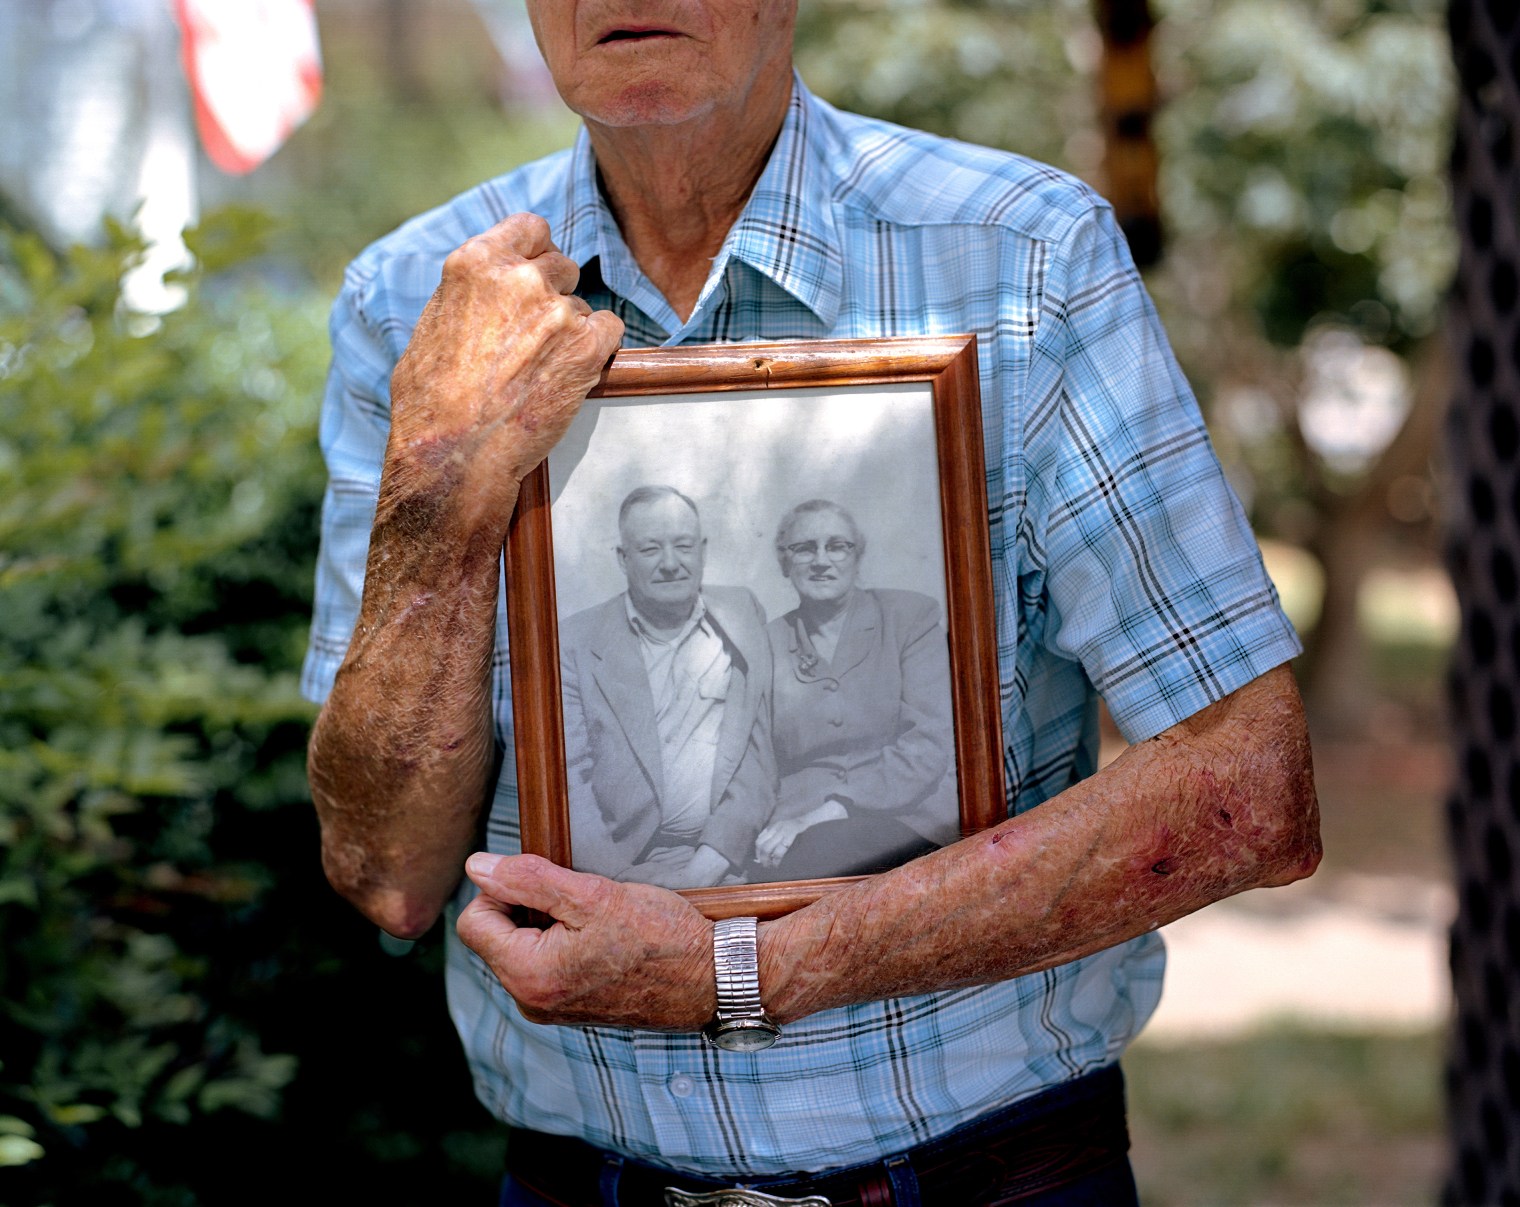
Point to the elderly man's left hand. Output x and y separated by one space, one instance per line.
629 955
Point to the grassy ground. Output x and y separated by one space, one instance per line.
1289 1118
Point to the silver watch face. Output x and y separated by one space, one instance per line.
743 1034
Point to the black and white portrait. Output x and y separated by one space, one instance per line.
753 656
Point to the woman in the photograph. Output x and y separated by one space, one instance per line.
861 712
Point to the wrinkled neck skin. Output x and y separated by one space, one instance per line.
677 189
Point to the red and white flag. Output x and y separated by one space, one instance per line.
255 71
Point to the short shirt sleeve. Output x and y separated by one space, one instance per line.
1153 578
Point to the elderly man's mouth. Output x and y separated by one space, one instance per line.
635 34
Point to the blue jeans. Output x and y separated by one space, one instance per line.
1111 1187
513 1195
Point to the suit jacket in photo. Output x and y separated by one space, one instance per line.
612 747
872 725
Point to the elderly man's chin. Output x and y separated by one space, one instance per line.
656 102
669 81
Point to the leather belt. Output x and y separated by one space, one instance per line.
1026 1149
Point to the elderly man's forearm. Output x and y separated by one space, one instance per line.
403 752
499 362
1218 804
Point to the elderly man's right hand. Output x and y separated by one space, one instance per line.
500 361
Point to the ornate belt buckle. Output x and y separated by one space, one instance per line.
738 1197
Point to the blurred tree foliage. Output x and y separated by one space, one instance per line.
1303 144
1304 157
1304 151
140 475
393 139
1309 240
410 157
1015 74
167 946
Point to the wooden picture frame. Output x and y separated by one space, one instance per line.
867 383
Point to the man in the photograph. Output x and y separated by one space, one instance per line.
946 1032
665 688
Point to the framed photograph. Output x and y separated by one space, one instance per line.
749 605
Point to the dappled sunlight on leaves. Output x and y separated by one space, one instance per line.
142 467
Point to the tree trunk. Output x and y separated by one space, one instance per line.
1336 668
1336 671
1484 550
1127 105
400 33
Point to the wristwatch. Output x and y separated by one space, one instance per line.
741 1024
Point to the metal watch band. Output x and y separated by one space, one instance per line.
741 1024
736 966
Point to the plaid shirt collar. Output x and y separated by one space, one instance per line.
786 231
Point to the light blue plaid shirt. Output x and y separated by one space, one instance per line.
1121 562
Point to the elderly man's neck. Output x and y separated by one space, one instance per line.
676 190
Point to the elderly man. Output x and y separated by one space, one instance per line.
949 1029
666 695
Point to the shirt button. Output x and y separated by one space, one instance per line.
681 1085
831 686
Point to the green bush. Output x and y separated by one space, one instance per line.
186 1012
147 676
